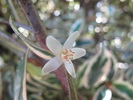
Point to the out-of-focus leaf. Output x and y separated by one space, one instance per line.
78 25
50 95
103 94
129 74
98 69
35 97
123 89
26 27
81 72
38 51
41 53
0 85
33 70
45 83
36 73
19 91
112 69
11 44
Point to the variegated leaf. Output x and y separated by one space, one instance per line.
38 51
98 69
123 89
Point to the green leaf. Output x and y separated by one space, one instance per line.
81 73
19 80
34 70
38 51
101 93
0 85
78 25
98 69
112 70
123 89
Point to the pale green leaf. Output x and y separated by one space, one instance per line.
34 70
123 89
0 85
19 80
98 69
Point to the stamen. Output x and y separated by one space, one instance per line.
67 54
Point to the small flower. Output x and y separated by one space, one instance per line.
63 54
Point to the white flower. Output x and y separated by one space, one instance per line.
63 54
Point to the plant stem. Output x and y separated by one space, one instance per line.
73 92
40 33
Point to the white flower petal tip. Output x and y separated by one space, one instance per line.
53 45
52 65
78 53
70 41
74 75
70 68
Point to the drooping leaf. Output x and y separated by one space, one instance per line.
19 80
99 69
78 25
81 72
103 93
112 69
0 85
38 51
123 89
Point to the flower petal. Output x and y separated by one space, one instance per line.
69 42
70 68
52 65
78 52
54 45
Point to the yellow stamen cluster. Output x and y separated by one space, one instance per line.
67 54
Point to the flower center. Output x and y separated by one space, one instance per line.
67 54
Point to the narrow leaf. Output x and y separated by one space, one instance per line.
98 69
33 70
19 78
38 51
0 85
101 94
123 89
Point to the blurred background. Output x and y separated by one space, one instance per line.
104 73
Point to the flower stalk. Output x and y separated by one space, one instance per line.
73 92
